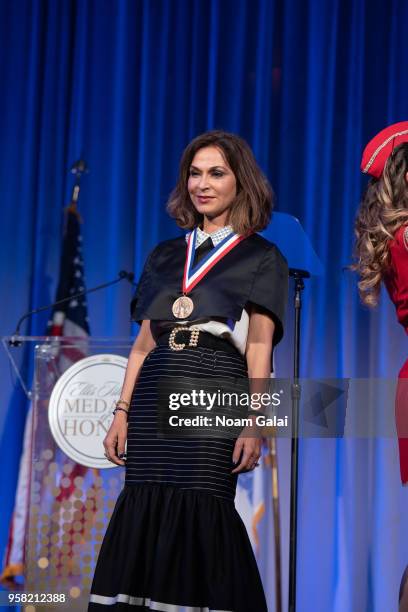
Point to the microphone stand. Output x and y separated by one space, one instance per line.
78 169
15 341
298 276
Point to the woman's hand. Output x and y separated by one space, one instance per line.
258 353
114 442
251 452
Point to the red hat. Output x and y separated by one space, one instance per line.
381 146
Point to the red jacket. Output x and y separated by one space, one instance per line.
396 282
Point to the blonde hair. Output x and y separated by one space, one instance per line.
383 209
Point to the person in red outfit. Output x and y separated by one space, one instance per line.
381 247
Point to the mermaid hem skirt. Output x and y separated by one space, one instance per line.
175 541
173 550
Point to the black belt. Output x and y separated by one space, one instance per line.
181 337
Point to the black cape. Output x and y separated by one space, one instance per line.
254 271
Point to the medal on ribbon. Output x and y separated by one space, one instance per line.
184 305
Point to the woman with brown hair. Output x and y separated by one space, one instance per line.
211 304
382 245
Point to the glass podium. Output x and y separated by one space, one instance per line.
70 488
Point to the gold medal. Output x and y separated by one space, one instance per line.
182 307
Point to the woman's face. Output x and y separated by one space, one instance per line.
211 184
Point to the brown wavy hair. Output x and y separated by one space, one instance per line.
252 207
383 209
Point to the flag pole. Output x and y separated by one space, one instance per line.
77 169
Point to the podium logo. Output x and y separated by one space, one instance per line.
81 404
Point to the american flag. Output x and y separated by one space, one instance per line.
69 319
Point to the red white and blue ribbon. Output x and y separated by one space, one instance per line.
193 274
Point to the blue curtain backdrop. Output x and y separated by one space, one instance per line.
127 84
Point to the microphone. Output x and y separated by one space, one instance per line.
297 273
123 274
128 275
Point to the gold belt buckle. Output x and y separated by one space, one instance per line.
194 333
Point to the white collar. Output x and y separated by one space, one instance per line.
216 237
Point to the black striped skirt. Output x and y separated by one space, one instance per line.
175 541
